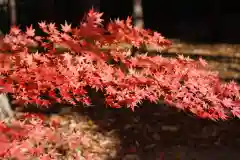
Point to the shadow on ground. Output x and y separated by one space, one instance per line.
159 132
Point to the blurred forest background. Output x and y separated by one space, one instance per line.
196 21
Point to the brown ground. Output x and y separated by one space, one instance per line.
162 133
222 57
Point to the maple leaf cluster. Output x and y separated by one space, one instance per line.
33 136
92 56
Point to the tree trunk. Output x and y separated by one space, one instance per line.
138 13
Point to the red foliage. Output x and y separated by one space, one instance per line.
36 139
181 82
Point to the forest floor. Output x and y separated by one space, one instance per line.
159 132
224 58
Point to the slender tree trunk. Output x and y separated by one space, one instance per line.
13 14
138 13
